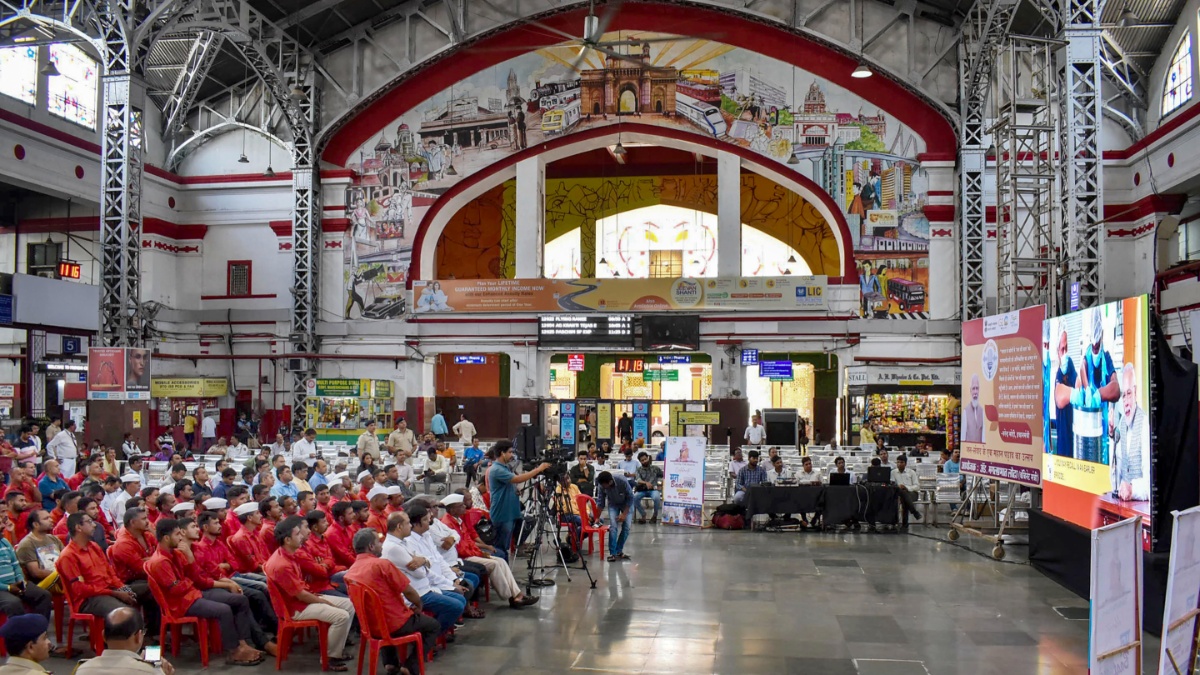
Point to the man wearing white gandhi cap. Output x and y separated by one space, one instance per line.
468 549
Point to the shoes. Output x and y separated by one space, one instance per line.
641 521
622 556
523 602
653 521
612 558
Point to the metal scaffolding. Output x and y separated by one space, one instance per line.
1027 209
306 247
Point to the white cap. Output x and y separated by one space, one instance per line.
377 491
131 478
393 490
362 475
248 507
340 475
215 503
453 498
183 508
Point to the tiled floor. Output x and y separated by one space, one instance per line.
711 601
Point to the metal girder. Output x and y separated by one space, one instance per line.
202 136
1121 71
306 248
195 70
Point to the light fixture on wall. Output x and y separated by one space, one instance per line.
1128 18
49 70
861 71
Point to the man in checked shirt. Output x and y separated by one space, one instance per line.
1130 471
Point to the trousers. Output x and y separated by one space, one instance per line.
338 617
435 478
504 533
232 612
619 531
446 607
417 623
35 600
654 495
500 575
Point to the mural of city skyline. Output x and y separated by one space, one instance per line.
863 158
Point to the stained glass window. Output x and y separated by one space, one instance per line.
1177 89
72 93
19 65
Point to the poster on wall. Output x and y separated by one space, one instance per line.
604 422
619 295
1182 609
683 484
1098 466
118 374
1115 647
641 422
864 158
567 424
1003 396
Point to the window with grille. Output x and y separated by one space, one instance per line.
239 278
42 259
666 264
1177 88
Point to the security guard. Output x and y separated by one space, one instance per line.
124 634
27 644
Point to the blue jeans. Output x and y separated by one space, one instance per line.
652 494
471 580
503 540
446 607
618 530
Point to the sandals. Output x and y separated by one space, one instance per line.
335 667
247 664
474 613
612 558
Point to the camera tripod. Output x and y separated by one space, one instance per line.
547 504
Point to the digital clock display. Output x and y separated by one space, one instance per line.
69 270
630 365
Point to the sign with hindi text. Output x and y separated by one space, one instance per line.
683 481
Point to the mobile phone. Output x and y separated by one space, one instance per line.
153 655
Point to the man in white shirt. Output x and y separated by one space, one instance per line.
465 429
807 475
906 479
737 463
437 470
279 447
446 607
839 466
306 448
63 447
756 433
778 473
208 431
237 452
883 459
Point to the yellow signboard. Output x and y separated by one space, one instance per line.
702 417
188 387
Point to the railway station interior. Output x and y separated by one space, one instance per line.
629 336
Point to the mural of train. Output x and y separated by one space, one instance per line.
704 115
560 119
551 94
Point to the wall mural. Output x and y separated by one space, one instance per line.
863 158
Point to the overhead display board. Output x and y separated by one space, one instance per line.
585 329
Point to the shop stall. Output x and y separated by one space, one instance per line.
175 398
904 405
339 409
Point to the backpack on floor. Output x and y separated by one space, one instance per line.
730 509
729 521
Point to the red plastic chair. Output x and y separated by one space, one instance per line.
589 513
95 625
375 633
288 627
208 631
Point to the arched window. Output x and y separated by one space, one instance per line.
1177 88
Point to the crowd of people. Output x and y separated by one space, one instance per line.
273 527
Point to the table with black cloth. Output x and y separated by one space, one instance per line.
837 504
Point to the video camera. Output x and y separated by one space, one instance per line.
553 454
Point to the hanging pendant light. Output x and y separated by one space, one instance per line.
1128 18
297 94
792 259
269 173
50 70
861 71
243 159
618 149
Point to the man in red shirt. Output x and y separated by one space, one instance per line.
223 601
95 587
166 502
362 510
18 511
236 495
338 535
22 480
324 502
76 480
323 571
305 502
134 546
377 519
150 494
390 584
283 570
395 499
272 513
249 553
212 557
366 482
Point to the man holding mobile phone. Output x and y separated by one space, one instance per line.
124 635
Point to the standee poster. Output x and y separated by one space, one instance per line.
1115 644
1178 648
1003 396
683 481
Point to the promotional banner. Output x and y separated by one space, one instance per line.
619 295
1003 396
604 422
1178 646
641 422
118 374
189 387
1099 460
1115 646
683 483
567 424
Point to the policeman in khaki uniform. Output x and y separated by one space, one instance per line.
124 634
27 644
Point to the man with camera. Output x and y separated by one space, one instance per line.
506 507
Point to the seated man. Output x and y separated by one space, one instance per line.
170 568
498 571
807 475
381 576
95 587
750 475
283 570
736 464
437 470
839 466
647 484
446 607
778 473
16 596
211 561
910 485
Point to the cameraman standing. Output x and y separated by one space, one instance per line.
506 507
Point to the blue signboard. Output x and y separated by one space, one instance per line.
470 359
1074 295
776 370
6 310
72 345
749 357
567 424
667 359
641 422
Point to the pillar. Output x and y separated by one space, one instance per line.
729 215
531 217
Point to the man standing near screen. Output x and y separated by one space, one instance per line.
1131 458
972 416
1064 413
1097 388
